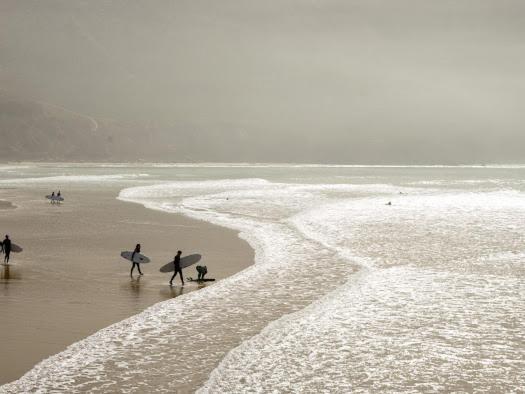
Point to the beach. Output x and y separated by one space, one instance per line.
369 279
70 280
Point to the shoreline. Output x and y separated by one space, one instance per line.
223 317
56 294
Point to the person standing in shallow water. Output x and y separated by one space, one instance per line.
137 250
177 269
7 249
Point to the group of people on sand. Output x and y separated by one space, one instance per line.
176 265
55 197
5 248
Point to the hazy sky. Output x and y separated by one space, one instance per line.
389 75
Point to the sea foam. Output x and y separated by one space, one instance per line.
346 292
157 347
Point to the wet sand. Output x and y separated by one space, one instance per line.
70 281
6 205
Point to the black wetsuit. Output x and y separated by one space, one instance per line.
202 270
7 250
177 269
137 250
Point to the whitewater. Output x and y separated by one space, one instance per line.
347 293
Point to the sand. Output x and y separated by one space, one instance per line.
70 281
6 205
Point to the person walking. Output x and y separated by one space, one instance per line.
177 269
7 249
137 250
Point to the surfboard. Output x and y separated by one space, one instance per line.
139 258
185 262
54 198
15 248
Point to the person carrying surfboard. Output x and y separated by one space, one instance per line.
177 269
137 250
7 249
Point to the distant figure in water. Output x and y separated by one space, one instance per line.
389 203
177 269
58 194
137 250
7 249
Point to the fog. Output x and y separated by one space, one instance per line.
312 81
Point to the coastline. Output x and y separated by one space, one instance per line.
305 312
56 292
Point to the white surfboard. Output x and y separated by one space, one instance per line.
138 258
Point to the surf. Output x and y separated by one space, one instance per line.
334 268
230 311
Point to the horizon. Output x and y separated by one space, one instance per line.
264 164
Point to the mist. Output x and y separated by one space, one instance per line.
287 81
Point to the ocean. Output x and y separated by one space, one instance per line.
366 279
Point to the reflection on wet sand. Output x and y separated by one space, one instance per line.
172 292
7 273
135 285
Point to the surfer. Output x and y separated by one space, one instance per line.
177 269
137 250
58 194
7 249
202 270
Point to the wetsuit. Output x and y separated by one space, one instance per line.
7 250
177 269
202 270
137 250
